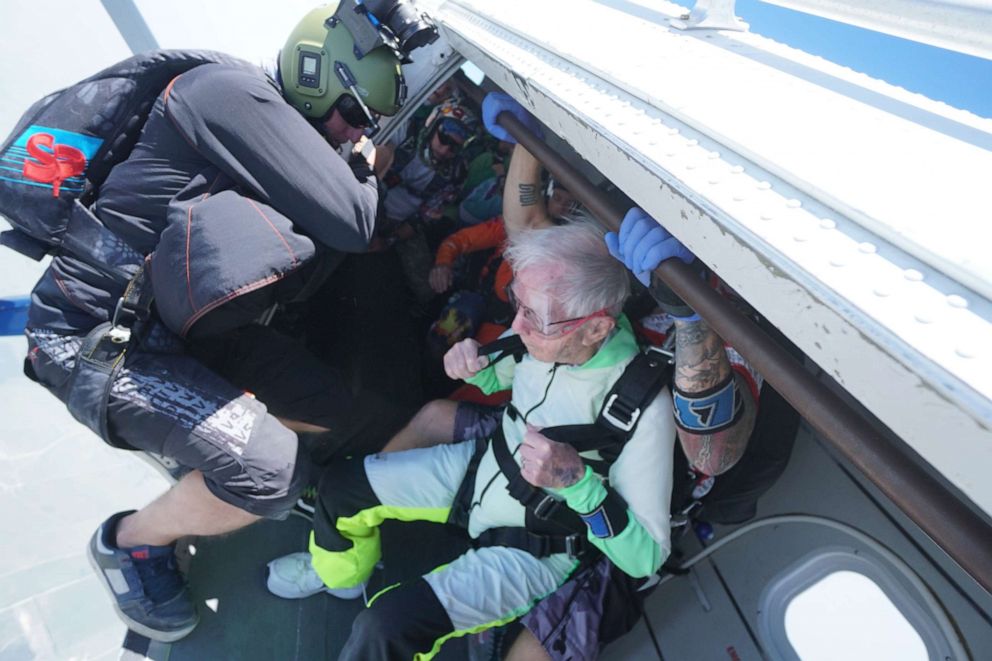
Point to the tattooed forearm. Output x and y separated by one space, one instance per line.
717 453
700 359
528 194
701 363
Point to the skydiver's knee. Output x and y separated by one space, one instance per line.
268 475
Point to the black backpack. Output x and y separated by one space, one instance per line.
63 147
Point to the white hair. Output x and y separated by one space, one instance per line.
589 278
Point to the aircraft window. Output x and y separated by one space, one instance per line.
845 615
473 72
836 604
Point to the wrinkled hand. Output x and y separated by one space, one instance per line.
440 278
547 463
643 244
463 360
497 102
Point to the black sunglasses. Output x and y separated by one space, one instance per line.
355 113
447 140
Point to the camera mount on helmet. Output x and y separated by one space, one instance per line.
393 23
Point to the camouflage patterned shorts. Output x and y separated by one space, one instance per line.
595 606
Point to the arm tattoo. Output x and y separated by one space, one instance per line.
700 363
528 195
700 359
717 453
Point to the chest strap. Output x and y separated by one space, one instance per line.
540 546
511 345
640 383
538 502
547 518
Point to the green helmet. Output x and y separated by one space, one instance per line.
318 64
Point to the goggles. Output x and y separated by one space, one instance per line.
544 328
451 132
357 115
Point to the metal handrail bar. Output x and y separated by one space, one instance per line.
956 528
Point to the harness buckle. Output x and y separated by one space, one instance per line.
611 416
573 546
120 334
668 355
546 507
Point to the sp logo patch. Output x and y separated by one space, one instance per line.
51 163
43 156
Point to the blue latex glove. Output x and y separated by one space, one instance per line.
497 102
643 244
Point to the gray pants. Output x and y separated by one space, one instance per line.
213 406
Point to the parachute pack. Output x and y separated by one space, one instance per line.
63 147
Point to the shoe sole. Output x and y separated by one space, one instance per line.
132 624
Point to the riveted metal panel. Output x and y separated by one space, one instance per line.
842 208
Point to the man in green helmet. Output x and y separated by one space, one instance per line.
224 206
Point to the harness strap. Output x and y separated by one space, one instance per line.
542 504
511 345
133 307
462 504
540 546
636 388
102 357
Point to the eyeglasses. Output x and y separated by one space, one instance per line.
542 327
357 114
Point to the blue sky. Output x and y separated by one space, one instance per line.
959 80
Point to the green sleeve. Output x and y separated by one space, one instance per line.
634 551
494 377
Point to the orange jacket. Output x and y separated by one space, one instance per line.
490 234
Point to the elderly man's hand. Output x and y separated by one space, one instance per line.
547 463
463 360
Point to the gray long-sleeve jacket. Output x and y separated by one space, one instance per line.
229 189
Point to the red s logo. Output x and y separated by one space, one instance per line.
52 163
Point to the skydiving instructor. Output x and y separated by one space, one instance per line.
229 202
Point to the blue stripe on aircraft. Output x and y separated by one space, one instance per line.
14 315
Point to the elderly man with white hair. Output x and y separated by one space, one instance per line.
568 293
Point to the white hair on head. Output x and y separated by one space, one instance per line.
588 279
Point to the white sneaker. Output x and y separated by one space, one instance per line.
292 577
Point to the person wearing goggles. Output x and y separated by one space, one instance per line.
449 137
423 173
349 120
